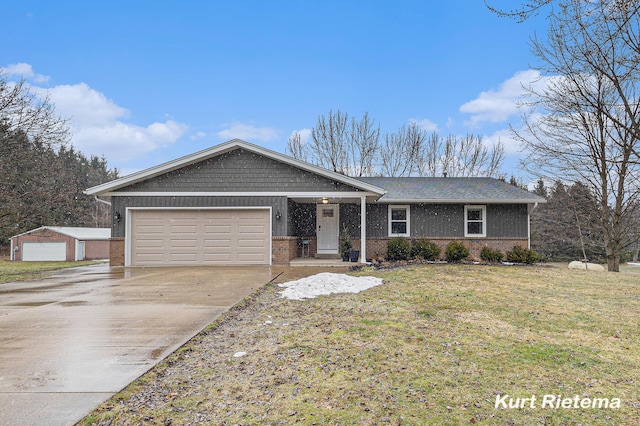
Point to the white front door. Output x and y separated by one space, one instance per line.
327 228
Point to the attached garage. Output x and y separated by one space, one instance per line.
215 236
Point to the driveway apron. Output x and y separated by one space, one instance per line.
72 340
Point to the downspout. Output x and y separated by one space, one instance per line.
363 229
102 201
529 210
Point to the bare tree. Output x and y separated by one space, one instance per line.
402 150
339 143
296 147
364 144
585 124
21 109
522 13
329 142
466 156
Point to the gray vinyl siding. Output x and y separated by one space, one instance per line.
507 220
447 220
239 171
279 227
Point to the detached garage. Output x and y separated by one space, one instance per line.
58 243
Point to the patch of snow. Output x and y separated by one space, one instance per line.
239 354
326 283
577 264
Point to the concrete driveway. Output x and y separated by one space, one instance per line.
70 341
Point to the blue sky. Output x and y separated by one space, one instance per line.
147 82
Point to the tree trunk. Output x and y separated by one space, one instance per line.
613 256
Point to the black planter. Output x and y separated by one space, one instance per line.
354 255
345 257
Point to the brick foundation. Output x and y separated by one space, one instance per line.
283 250
377 247
116 252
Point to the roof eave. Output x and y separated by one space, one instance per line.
459 201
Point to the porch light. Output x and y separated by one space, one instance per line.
325 200
278 215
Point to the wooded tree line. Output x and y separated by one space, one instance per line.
354 147
568 227
42 177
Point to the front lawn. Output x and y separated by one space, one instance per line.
434 345
20 271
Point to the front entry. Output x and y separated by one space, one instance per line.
327 228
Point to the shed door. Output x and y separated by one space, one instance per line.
200 237
32 252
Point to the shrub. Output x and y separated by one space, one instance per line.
455 252
489 255
425 249
398 249
522 255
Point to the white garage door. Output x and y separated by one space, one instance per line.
33 252
200 237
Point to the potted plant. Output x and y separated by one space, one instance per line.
345 244
354 255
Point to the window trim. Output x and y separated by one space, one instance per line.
483 208
391 207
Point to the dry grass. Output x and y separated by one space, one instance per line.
434 345
20 271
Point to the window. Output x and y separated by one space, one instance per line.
475 221
399 221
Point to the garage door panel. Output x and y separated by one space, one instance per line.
250 258
251 229
216 215
220 259
184 229
218 229
224 244
200 237
184 244
249 243
187 257
151 258
150 243
249 214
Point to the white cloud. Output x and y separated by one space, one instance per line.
305 135
86 106
498 106
511 146
98 126
450 122
24 71
425 124
198 135
248 132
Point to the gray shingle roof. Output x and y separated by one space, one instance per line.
451 190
